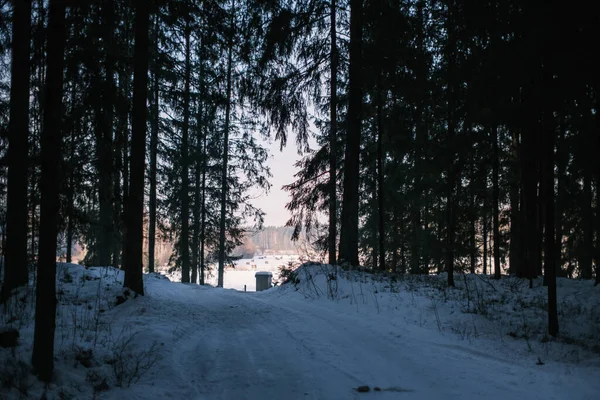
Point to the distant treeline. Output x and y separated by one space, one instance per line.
270 238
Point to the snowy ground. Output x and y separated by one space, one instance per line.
321 337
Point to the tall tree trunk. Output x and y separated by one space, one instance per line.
420 146
548 195
203 218
597 131
16 260
426 257
185 186
561 166
71 185
45 305
451 180
514 266
417 203
380 176
540 216
529 205
395 238
153 153
374 223
349 228
332 240
122 192
588 227
473 222
224 174
124 83
196 225
529 181
495 200
105 150
484 224
197 189
135 200
118 213
203 132
587 213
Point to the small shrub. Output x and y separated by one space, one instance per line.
15 375
99 382
85 357
67 277
129 363
288 274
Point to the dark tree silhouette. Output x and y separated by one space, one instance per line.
135 199
332 239
349 227
16 260
45 305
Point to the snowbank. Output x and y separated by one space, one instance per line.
322 335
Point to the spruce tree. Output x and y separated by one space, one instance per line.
135 199
45 306
16 260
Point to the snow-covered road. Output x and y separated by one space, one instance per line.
223 344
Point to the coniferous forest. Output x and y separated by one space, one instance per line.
453 136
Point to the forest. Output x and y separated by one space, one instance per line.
269 240
455 136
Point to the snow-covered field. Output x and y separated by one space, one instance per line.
242 274
322 336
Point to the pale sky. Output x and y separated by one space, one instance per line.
283 170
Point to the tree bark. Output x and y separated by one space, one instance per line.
561 166
332 240
105 150
185 186
597 131
548 196
495 201
380 176
419 153
71 185
135 200
45 305
203 220
514 266
417 232
224 174
451 180
153 155
16 260
587 221
529 184
198 200
473 222
203 133
349 227
484 223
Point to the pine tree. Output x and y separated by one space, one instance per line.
333 136
135 199
225 159
45 306
105 150
16 260
152 173
185 203
349 229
